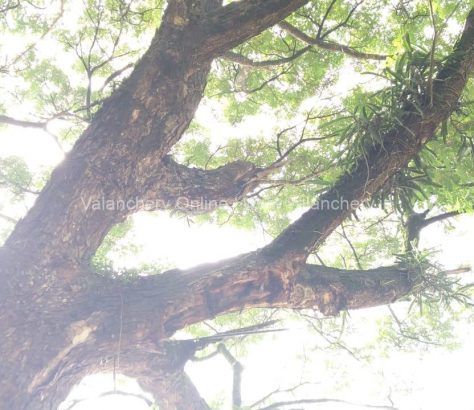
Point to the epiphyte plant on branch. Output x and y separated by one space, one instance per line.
121 91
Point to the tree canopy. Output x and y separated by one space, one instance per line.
338 129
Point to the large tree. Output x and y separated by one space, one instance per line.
61 319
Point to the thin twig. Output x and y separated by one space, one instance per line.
245 61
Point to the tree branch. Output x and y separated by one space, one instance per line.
183 297
146 311
128 137
224 28
194 190
124 143
9 6
21 123
175 391
417 221
74 403
344 22
114 75
329 45
440 217
160 371
381 161
135 128
281 404
237 370
8 218
245 61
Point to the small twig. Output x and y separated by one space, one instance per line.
48 30
439 218
309 319
319 259
119 343
346 238
237 369
344 22
266 82
9 7
323 20
278 391
219 148
432 53
19 187
8 218
74 403
457 271
407 335
245 61
206 357
281 404
114 75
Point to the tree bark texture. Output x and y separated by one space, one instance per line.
60 321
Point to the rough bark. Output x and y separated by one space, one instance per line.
115 156
44 317
104 323
193 190
252 280
59 321
231 25
123 147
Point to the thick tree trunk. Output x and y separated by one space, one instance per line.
118 154
66 335
48 305
59 321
